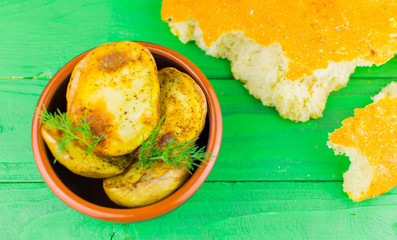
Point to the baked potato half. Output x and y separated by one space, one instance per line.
138 187
184 105
77 161
116 88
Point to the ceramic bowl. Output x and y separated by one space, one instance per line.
86 195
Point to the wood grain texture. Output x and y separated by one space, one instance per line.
257 144
40 36
265 182
18 99
217 211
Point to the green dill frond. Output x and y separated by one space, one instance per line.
176 154
70 132
150 147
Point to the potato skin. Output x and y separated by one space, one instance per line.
137 187
116 87
74 158
184 105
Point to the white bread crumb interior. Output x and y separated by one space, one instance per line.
358 178
390 90
263 69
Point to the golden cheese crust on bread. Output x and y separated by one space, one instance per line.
370 140
289 54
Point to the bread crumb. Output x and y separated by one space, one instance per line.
289 62
369 141
262 70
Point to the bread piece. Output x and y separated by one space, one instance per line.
369 139
390 90
292 54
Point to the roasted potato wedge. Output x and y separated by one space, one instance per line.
116 88
77 161
137 187
184 105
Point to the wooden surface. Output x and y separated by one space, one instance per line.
273 179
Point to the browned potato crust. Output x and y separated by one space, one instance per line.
116 87
184 105
137 187
77 161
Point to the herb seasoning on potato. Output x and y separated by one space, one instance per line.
184 105
75 152
115 98
116 86
169 155
76 159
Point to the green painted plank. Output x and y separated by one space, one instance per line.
388 69
40 36
257 144
18 99
217 211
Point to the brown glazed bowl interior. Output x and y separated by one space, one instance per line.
86 195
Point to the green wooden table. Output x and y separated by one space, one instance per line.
273 179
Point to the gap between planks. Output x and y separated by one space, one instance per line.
47 76
210 181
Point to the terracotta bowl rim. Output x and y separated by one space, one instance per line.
164 206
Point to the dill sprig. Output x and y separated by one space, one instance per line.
176 154
70 132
